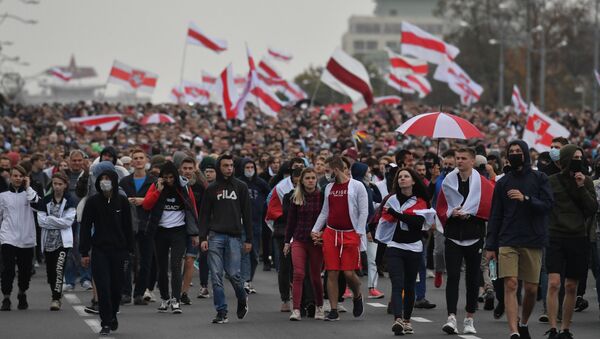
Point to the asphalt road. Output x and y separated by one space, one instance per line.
263 320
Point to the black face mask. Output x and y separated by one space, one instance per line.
448 169
576 166
515 160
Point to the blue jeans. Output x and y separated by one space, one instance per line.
246 269
421 287
224 254
250 260
73 266
595 265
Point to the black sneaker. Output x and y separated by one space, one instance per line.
5 304
139 300
424 303
499 311
22 305
185 299
390 309
552 333
114 324
524 332
125 300
311 309
333 315
175 306
93 308
221 318
515 336
488 303
358 308
565 334
242 308
105 331
581 304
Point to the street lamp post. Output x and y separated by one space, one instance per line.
542 70
596 37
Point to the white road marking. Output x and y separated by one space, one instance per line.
420 320
376 304
72 298
80 310
94 324
469 336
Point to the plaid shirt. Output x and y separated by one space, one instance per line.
301 219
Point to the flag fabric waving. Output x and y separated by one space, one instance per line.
106 122
279 55
228 96
540 129
177 95
423 45
57 72
134 79
517 100
196 36
196 92
405 65
208 78
459 81
419 83
348 76
275 202
399 83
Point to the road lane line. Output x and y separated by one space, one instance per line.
94 324
420 320
469 336
376 304
72 298
80 309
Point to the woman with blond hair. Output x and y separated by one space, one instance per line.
304 210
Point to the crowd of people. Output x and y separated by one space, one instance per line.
124 210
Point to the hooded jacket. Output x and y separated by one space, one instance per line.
226 207
573 206
155 201
17 225
67 212
359 170
109 218
258 190
110 151
516 223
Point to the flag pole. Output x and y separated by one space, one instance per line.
107 80
183 61
312 98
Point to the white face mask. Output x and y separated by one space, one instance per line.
105 185
554 154
249 173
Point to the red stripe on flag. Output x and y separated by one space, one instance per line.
421 86
401 63
119 74
204 40
229 113
270 72
267 99
98 121
399 81
351 80
411 38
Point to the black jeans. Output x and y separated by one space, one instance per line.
173 241
55 270
284 274
107 271
203 268
147 264
266 245
403 266
454 257
22 258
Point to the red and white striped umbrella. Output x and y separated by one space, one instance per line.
439 125
157 118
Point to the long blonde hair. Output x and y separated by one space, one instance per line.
300 192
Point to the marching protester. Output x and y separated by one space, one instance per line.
17 236
224 214
463 206
107 237
400 228
344 219
56 215
207 167
568 250
174 218
517 233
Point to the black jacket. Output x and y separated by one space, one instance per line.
140 215
226 207
515 223
110 219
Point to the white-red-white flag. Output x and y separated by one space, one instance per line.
540 129
106 122
399 83
419 83
348 76
423 45
459 81
196 36
388 100
132 78
268 69
208 78
265 98
405 65
57 72
196 92
292 91
227 95
597 75
248 83
279 55
518 102
177 95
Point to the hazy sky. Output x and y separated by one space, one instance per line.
150 34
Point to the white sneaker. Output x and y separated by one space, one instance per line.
326 305
247 287
149 296
87 285
295 316
341 308
319 313
469 327
430 274
68 287
164 306
450 327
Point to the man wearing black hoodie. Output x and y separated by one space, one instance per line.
517 232
224 214
258 190
107 213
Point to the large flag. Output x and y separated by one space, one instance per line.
279 55
405 65
208 78
106 122
196 92
228 96
348 76
266 68
459 81
399 83
517 100
60 74
177 95
195 36
248 84
422 45
419 83
266 100
292 91
134 79
540 129
275 202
